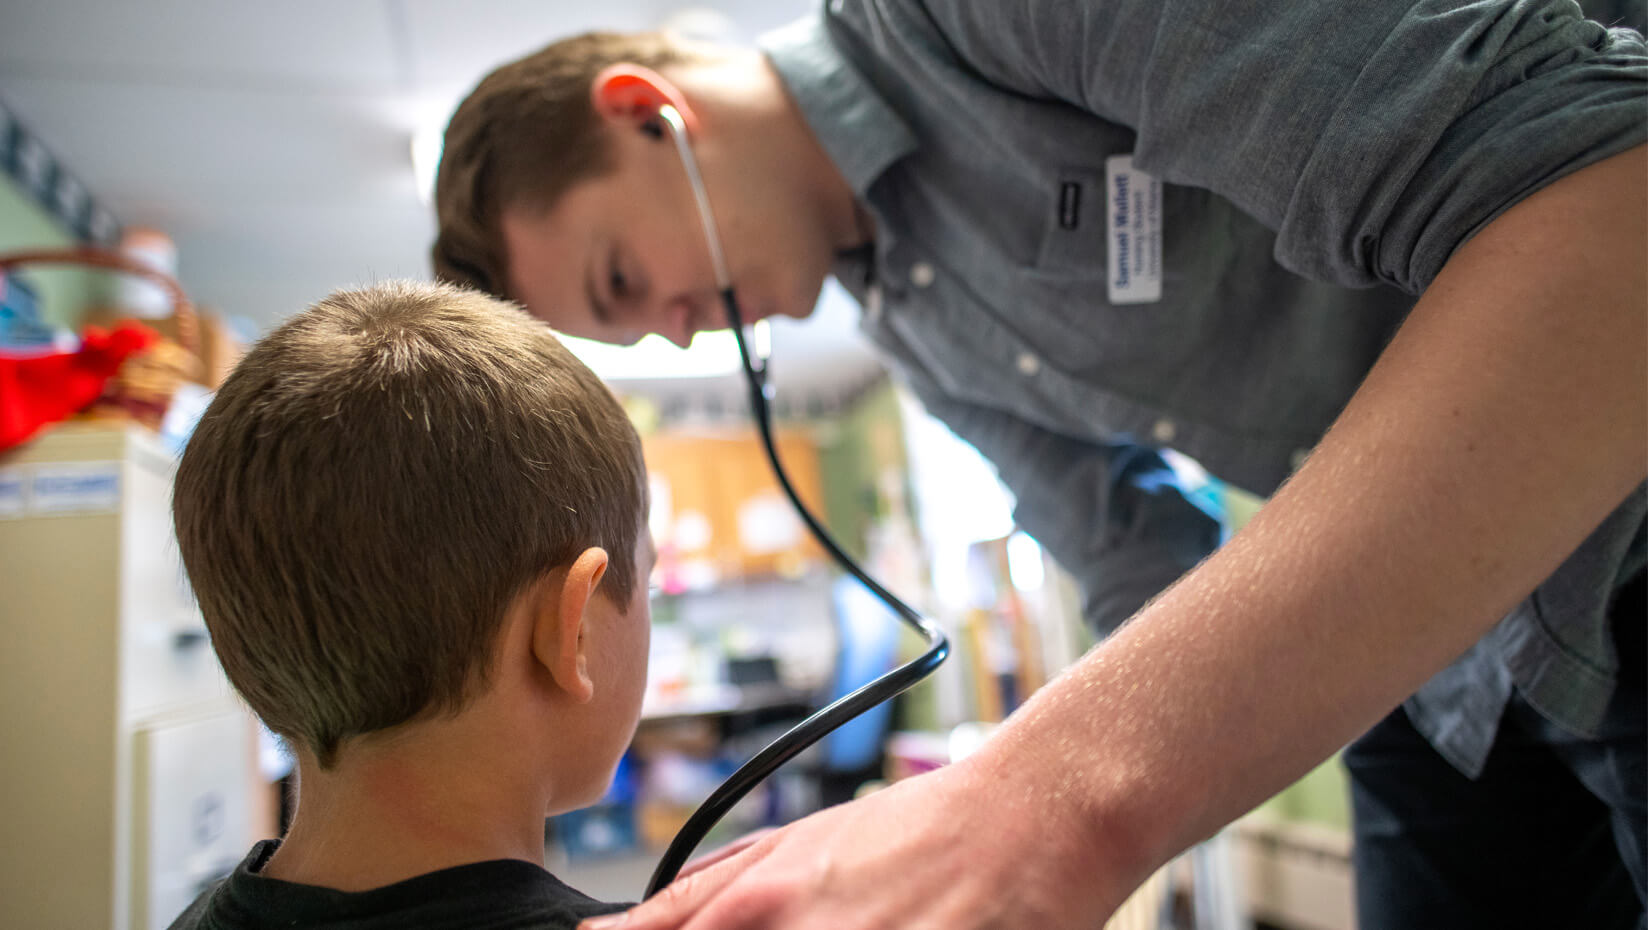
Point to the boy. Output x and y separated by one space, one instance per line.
416 527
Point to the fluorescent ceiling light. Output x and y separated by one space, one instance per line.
711 355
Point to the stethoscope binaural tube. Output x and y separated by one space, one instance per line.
821 722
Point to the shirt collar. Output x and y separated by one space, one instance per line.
859 131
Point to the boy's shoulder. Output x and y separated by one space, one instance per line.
503 894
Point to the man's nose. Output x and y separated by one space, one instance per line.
675 322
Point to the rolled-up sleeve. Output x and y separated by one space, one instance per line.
1374 137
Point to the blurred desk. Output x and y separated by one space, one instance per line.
689 741
759 699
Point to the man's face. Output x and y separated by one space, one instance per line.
624 254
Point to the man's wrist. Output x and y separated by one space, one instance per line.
1074 822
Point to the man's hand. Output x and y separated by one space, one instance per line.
950 849
724 853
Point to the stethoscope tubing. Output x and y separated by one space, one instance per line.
822 722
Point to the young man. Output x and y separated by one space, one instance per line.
1079 229
416 526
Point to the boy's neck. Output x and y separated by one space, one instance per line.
447 790
384 817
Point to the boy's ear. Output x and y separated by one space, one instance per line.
558 639
631 95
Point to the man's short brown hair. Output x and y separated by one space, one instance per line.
375 484
522 137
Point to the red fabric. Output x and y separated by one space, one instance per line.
39 390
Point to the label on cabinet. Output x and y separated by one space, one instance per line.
59 488
11 493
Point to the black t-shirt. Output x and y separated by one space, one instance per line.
504 894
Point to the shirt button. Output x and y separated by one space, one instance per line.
1163 431
1028 364
922 274
873 304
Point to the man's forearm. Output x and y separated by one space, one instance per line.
1502 424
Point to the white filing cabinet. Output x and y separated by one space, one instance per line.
125 759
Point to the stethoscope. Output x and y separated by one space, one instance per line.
817 726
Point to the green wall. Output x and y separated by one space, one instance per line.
64 291
1323 796
866 440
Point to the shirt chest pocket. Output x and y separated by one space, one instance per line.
1073 236
1060 301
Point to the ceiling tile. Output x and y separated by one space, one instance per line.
271 261
214 146
457 44
164 41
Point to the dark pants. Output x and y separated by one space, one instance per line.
1551 836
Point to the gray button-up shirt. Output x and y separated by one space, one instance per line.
1318 165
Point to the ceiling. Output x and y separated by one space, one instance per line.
272 141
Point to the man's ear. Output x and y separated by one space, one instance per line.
631 95
558 639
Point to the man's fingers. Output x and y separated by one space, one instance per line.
678 901
726 852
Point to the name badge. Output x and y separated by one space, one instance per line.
1133 215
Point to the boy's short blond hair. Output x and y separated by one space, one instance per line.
375 484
